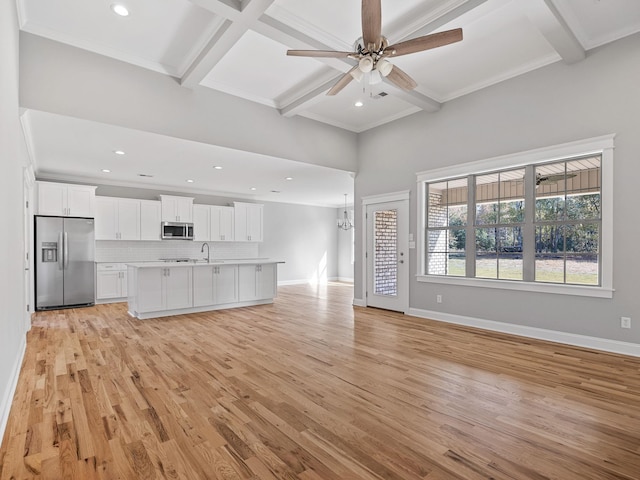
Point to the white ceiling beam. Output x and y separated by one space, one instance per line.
305 100
229 9
236 11
434 19
296 40
226 37
546 17
424 102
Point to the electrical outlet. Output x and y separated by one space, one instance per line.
439 298
625 322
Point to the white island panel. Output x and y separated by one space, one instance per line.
160 289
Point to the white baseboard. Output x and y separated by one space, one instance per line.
307 281
595 343
5 406
105 301
358 302
292 282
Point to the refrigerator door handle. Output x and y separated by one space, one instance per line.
66 251
60 256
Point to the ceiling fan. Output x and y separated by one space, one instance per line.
372 51
552 179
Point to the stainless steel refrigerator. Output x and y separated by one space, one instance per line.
65 252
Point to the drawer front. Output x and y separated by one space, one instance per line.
111 267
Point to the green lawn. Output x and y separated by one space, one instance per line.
548 270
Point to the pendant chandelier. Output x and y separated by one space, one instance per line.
345 223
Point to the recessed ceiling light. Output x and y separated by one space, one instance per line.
106 170
119 9
253 188
118 152
218 167
289 178
358 103
189 181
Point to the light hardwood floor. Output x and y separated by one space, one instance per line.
310 388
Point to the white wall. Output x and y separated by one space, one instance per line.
556 104
12 160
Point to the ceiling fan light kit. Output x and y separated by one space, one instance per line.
373 49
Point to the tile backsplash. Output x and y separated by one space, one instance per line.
139 251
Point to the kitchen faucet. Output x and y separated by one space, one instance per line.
208 252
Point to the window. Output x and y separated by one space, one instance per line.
567 221
532 221
447 219
499 218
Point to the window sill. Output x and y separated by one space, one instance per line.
578 290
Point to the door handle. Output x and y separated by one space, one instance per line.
60 239
66 251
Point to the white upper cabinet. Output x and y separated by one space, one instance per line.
117 218
150 219
65 200
201 223
222 224
176 209
248 222
213 223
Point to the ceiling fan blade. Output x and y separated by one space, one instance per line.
318 53
424 43
552 179
401 79
371 24
343 82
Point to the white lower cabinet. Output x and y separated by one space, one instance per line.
158 291
111 281
215 285
256 282
164 288
178 288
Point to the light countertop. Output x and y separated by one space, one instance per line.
203 263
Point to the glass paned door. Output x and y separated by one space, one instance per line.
387 255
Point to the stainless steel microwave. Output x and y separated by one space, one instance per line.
177 231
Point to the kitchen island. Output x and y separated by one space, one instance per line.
160 289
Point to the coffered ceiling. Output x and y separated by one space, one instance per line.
239 46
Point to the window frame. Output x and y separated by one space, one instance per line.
603 145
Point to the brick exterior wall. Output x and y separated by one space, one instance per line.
437 239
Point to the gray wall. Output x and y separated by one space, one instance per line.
305 237
12 159
345 244
69 81
556 104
